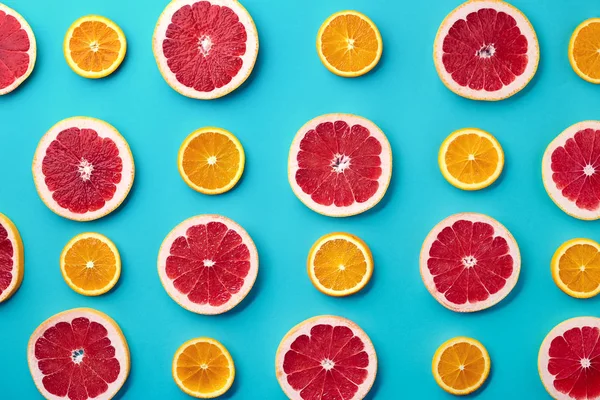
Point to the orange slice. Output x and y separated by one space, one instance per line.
211 160
90 264
461 365
203 368
584 50
471 159
576 268
349 44
94 46
340 264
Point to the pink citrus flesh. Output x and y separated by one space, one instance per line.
11 259
17 49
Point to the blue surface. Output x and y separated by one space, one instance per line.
289 86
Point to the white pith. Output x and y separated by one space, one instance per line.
182 299
524 26
355 208
555 194
304 329
248 58
104 130
15 238
499 230
31 52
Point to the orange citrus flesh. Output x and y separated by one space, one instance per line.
471 158
579 268
585 51
340 265
462 366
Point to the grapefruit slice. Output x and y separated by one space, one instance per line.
469 262
11 258
584 50
205 48
208 264
78 354
340 165
486 50
571 170
326 357
576 268
83 168
568 360
17 49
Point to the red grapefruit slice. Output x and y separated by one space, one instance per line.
78 354
17 49
571 170
208 264
83 168
11 258
486 50
340 165
326 357
205 48
569 362
470 262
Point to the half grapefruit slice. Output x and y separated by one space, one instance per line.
326 357
83 168
469 262
78 354
11 258
208 264
340 165
205 48
17 49
486 50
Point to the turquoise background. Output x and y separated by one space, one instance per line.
289 86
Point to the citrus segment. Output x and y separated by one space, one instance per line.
205 48
576 268
11 258
326 357
78 354
94 46
469 262
203 368
17 49
340 264
584 50
486 50
461 365
349 44
471 159
211 160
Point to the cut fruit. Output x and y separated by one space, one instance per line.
326 357
340 165
469 262
571 170
203 368
208 264
211 160
340 264
17 49
83 168
205 48
349 44
461 365
11 258
94 46
78 354
584 50
471 159
90 264
576 268
568 361
486 50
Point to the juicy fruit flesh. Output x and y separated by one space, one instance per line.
339 265
209 264
211 160
579 268
586 50
349 43
485 51
461 366
575 364
339 164
94 46
469 262
82 170
7 262
204 44
203 368
576 169
77 359
90 264
14 45
471 158
332 361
